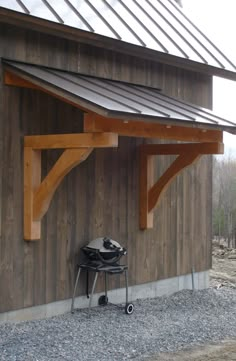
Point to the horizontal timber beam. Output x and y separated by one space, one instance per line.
168 149
133 128
150 194
54 141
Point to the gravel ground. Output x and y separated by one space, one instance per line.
157 325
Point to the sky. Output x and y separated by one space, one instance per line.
216 18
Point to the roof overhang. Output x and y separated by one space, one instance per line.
115 100
112 109
78 35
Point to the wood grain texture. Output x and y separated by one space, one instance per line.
45 191
133 128
32 180
181 162
56 141
182 149
37 194
14 80
188 153
101 196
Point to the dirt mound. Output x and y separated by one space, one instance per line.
223 273
225 351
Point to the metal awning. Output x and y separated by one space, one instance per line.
158 25
115 99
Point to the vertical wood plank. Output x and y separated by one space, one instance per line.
7 211
44 272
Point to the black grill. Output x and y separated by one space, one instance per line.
104 250
102 256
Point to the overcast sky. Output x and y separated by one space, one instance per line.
217 20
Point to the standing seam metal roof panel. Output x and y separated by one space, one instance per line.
160 25
119 99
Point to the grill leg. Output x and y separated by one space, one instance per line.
93 288
87 284
126 284
105 285
75 288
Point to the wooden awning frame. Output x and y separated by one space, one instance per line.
38 194
151 191
209 142
101 131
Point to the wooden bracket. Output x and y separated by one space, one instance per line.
37 193
150 193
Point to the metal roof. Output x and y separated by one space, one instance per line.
118 99
160 25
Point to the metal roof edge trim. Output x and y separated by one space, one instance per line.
170 121
69 33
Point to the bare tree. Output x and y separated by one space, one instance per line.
224 199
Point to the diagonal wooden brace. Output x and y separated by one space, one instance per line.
150 193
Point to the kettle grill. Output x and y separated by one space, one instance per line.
103 255
105 250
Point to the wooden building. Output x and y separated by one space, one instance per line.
123 93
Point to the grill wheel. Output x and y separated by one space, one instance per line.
129 308
103 300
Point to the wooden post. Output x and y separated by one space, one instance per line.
32 179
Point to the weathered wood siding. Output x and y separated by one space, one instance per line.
99 197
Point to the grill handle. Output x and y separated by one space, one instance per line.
120 253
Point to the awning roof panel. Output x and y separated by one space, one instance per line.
118 99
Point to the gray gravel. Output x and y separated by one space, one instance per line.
163 324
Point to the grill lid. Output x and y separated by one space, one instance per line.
104 244
105 250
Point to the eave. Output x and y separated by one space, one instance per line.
66 32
